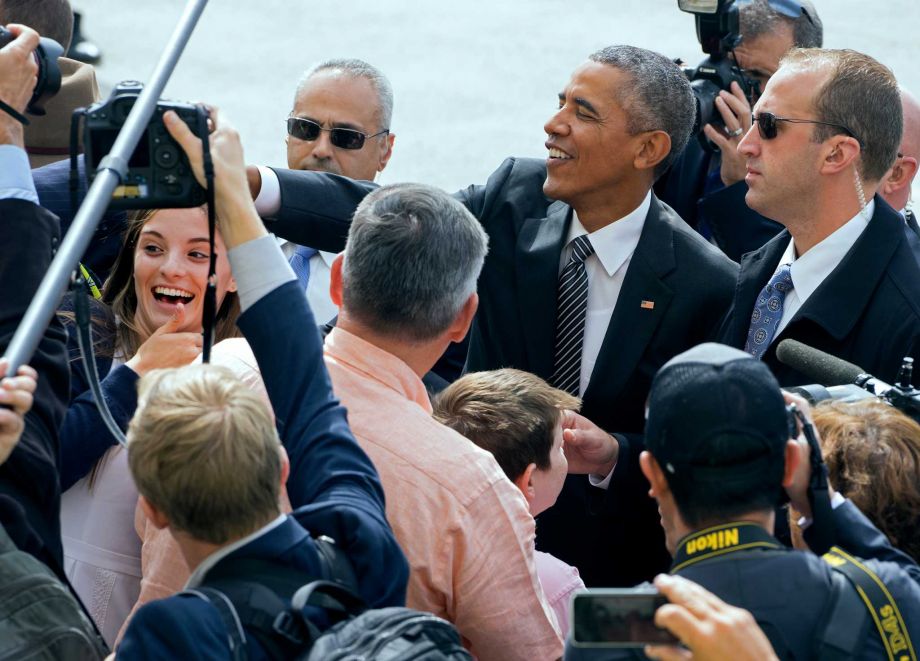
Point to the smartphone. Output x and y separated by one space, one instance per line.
612 617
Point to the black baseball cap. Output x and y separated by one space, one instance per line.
716 414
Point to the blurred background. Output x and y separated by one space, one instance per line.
474 81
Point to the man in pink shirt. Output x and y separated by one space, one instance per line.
406 288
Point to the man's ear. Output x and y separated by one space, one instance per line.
844 152
653 473
335 280
464 318
900 175
285 464
154 515
386 151
524 482
653 148
793 459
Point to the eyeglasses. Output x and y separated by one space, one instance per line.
307 129
766 124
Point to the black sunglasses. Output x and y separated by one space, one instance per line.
307 129
766 124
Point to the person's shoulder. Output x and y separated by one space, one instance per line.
182 626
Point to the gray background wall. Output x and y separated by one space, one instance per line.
474 80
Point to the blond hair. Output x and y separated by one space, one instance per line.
203 449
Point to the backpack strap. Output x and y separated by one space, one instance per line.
236 637
878 601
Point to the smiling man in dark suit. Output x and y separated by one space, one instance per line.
841 277
590 283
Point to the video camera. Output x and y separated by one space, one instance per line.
49 73
718 31
159 175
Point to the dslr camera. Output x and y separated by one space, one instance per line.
159 175
49 73
718 31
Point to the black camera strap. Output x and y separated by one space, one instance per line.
209 309
720 540
15 114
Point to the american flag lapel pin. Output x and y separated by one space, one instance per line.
647 305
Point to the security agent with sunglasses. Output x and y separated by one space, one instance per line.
340 123
708 190
719 459
841 277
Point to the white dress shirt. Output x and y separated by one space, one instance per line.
808 271
614 246
268 202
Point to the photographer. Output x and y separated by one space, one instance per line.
708 190
719 461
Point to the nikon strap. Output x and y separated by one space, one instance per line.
878 600
719 540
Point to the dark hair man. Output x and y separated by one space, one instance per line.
719 460
841 277
590 283
708 191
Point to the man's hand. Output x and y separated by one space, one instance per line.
736 113
18 76
797 489
15 402
707 625
588 448
236 211
254 177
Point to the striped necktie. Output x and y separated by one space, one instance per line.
571 308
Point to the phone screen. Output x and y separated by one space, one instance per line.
618 618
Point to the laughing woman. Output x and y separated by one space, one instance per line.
154 303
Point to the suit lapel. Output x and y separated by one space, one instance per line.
643 300
838 303
756 270
537 272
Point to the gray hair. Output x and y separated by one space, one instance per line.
657 98
412 259
354 68
759 18
860 94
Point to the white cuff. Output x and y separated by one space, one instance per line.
259 268
600 481
268 201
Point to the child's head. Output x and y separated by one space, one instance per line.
518 418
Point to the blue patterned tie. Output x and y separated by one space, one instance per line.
300 262
767 312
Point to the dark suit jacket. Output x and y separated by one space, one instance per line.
867 311
30 495
333 488
52 184
613 537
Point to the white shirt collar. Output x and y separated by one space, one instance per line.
616 242
327 257
810 270
208 563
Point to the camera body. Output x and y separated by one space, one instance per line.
159 175
49 73
718 31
